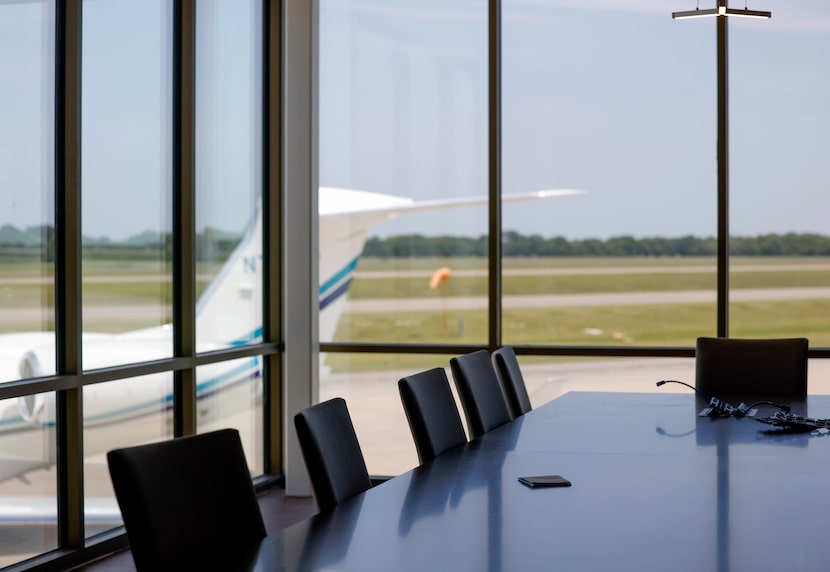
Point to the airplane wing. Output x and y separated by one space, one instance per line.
337 202
347 215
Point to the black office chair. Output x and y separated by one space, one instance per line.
762 368
480 392
430 409
512 381
188 503
332 453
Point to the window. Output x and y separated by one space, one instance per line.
27 205
118 414
779 181
138 165
403 119
126 183
228 173
616 102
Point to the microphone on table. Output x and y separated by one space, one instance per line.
692 387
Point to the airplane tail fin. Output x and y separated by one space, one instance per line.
229 312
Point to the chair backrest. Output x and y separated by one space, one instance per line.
186 501
762 368
512 381
480 392
332 453
430 409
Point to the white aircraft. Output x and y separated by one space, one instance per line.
228 314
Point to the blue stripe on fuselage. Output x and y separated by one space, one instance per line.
253 337
339 291
337 285
338 277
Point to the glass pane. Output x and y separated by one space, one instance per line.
228 172
118 414
403 121
230 395
617 101
779 85
547 378
818 376
126 181
27 190
28 485
369 384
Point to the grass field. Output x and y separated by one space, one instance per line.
418 286
471 263
143 284
643 325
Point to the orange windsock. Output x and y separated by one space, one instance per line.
438 276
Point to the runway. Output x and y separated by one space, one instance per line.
162 312
605 270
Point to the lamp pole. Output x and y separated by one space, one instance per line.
720 13
723 173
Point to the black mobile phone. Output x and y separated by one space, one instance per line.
545 481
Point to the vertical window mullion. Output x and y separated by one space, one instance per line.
300 184
494 167
184 261
272 232
68 323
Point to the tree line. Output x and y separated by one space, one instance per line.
215 245
40 242
516 244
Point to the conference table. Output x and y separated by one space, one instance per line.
655 486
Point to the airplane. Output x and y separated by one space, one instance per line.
228 314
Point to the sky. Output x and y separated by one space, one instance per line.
611 97
615 98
